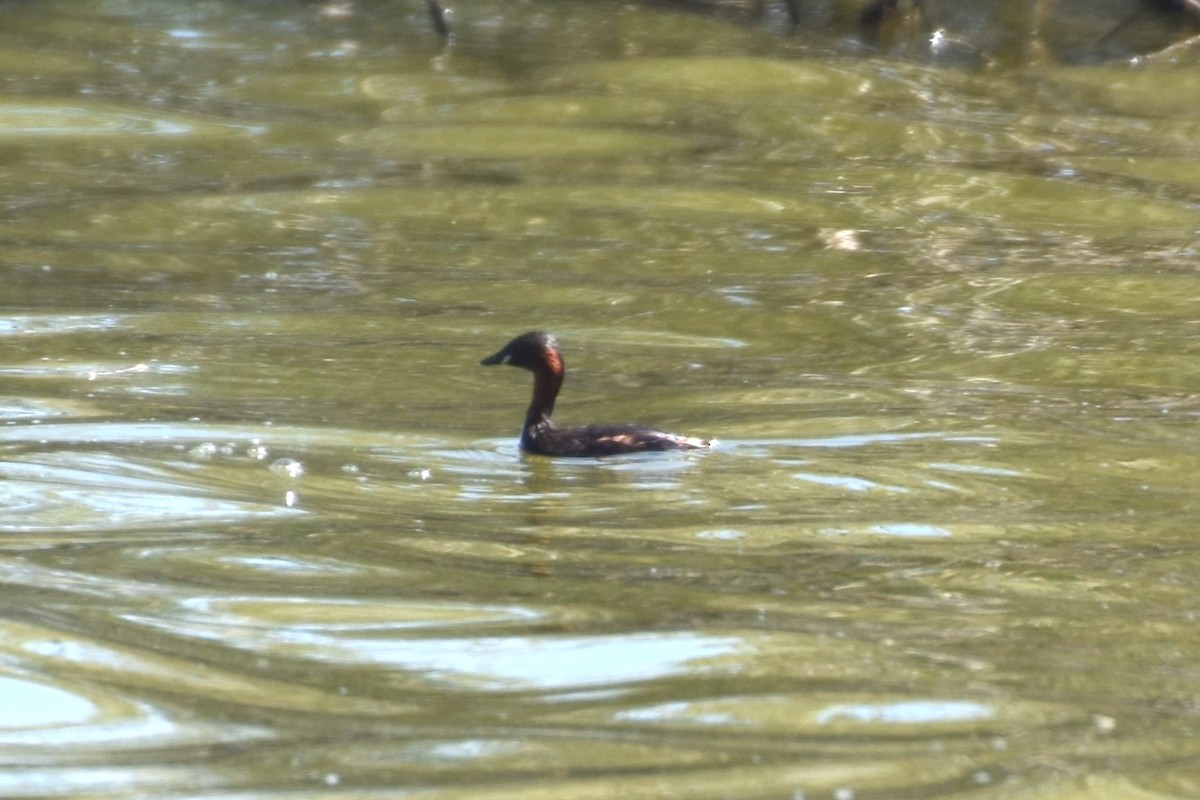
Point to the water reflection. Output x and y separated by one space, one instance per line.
25 119
49 324
910 712
267 531
33 705
360 632
545 663
72 492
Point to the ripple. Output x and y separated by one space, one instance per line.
76 492
40 712
283 565
329 615
155 670
172 433
525 110
20 119
912 530
484 140
26 410
417 88
552 662
351 631
45 324
858 440
97 370
812 714
32 704
91 781
728 76
847 483
908 712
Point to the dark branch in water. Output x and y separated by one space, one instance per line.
1151 6
1190 5
793 9
441 17
880 12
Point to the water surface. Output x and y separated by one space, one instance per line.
267 531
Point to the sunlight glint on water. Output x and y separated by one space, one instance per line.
266 530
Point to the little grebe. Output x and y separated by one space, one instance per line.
538 352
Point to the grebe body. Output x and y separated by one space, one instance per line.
538 352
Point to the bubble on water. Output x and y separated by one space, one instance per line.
288 467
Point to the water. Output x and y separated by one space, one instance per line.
266 530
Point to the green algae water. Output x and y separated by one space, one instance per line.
266 531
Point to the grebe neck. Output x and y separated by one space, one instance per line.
546 383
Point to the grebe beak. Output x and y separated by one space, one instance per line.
496 358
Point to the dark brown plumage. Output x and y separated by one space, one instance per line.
538 352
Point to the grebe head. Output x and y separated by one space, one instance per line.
534 351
